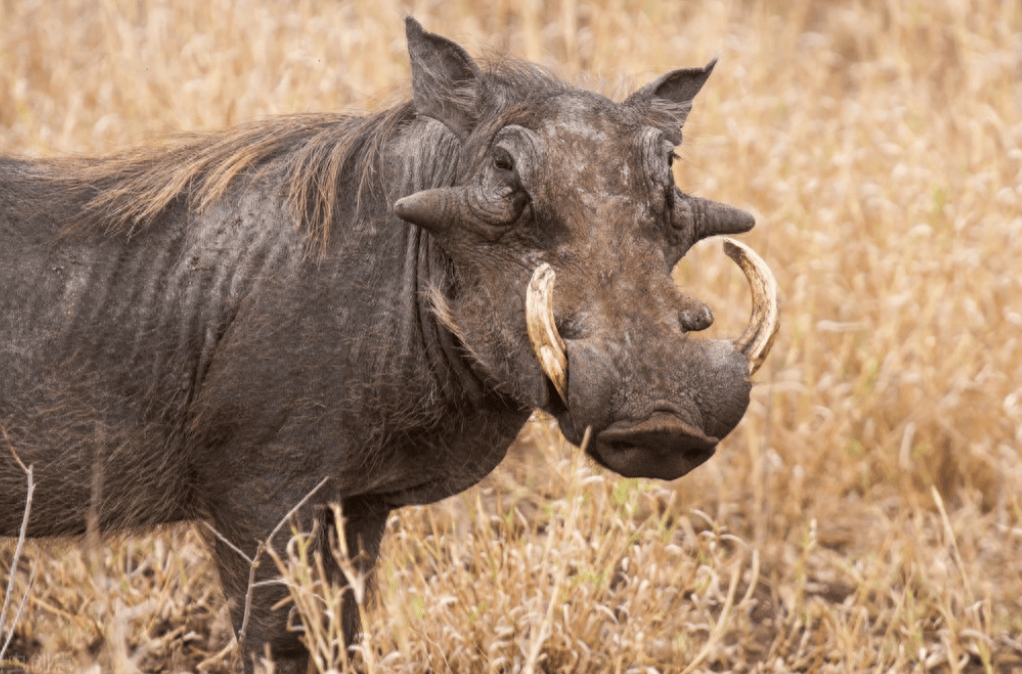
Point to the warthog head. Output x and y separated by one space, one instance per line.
553 181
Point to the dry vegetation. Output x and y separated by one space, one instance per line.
866 515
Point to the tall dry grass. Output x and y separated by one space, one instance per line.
865 517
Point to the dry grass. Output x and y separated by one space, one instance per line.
867 514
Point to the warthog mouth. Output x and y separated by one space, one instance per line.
665 444
662 446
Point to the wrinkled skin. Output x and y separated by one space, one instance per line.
213 364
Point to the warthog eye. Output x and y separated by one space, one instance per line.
502 161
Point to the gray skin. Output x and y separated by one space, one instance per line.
217 356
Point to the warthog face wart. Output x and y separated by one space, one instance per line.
358 309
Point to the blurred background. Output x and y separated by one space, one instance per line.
866 514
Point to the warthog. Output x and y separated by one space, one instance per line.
209 328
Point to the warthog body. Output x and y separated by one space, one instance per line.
208 328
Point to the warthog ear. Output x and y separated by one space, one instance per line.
677 89
444 79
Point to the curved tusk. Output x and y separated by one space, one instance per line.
757 339
539 317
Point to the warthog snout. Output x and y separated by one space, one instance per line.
656 409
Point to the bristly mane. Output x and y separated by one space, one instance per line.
124 193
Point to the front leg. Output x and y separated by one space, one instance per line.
263 625
365 519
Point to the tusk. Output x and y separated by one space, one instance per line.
539 317
757 339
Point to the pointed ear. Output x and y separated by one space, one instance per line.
675 89
445 79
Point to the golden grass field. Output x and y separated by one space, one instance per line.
866 516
